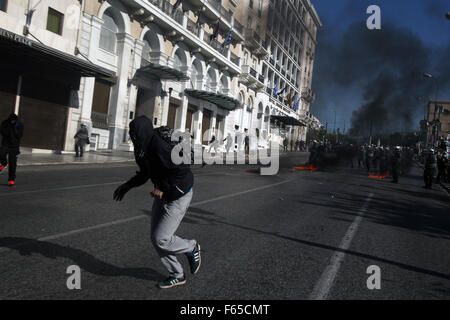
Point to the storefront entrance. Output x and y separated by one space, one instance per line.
206 124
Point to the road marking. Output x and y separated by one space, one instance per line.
142 216
323 286
3 194
60 189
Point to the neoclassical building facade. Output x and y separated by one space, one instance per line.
209 67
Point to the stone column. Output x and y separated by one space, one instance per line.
132 97
89 83
117 106
180 121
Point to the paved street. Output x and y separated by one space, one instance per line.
297 235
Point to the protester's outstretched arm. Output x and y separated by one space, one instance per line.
141 177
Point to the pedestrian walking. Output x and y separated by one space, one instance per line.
172 196
213 144
285 144
81 139
11 131
292 145
228 142
247 142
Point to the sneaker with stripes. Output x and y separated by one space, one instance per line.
172 282
195 259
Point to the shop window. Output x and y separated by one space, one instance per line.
55 21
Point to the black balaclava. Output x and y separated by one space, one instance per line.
13 117
141 133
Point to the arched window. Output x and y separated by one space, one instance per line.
108 38
211 81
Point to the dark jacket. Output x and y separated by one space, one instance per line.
153 156
82 135
11 133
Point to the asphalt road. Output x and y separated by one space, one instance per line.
296 235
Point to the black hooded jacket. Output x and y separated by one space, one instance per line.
153 156
11 133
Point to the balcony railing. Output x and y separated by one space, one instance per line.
193 27
238 26
99 120
217 5
261 78
235 59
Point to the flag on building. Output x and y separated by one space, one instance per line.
289 98
215 32
297 105
227 39
275 91
176 5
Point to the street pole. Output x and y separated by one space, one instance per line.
334 127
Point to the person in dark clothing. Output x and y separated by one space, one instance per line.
395 164
292 145
11 131
285 144
172 197
247 142
441 168
429 169
369 158
361 157
81 139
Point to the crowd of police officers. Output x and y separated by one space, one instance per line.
381 161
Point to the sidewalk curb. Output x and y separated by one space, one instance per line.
68 163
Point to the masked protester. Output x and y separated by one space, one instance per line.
172 196
81 139
11 131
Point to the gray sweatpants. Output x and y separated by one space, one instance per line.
166 217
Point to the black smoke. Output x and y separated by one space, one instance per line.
386 68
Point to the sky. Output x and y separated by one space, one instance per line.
352 61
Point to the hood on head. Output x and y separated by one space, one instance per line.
141 133
13 117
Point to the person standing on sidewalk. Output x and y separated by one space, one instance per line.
172 196
11 131
81 139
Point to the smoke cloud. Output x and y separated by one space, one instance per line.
383 68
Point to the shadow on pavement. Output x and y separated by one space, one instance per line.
319 245
84 260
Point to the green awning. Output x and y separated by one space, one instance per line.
23 54
160 72
289 121
218 99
